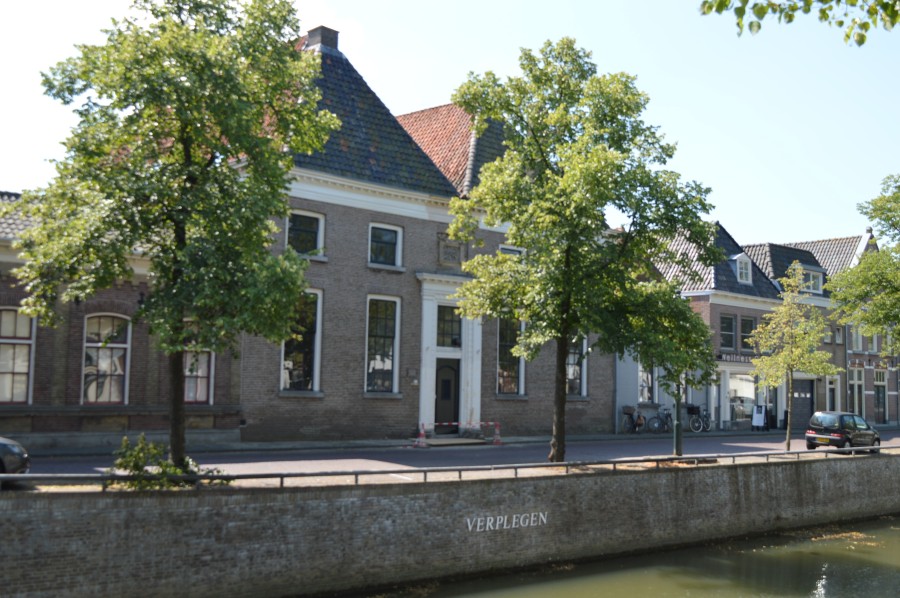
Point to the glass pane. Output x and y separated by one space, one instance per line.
106 329
299 355
7 357
22 354
20 388
380 346
196 364
190 390
23 326
6 382
7 323
303 233
383 246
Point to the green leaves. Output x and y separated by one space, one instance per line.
858 15
188 120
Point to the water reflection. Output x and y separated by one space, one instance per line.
862 559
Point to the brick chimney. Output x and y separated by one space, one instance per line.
322 36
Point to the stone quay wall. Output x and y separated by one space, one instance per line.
312 540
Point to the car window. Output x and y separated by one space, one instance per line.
861 423
826 420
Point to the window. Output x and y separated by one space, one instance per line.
197 377
509 250
880 415
747 326
575 369
385 245
855 390
16 341
381 347
509 367
300 358
812 282
305 232
743 270
857 340
726 332
107 342
828 337
449 327
839 335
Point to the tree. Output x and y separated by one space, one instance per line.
857 17
189 117
576 151
788 341
868 295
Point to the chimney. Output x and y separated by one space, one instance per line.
322 36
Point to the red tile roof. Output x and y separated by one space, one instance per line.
443 133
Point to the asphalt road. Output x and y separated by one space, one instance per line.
350 459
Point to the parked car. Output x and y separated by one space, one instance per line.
13 457
841 430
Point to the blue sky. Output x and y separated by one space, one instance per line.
791 128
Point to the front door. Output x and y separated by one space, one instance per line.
802 404
446 407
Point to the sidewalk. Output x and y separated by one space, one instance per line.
204 441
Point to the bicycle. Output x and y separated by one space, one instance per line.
662 422
700 421
631 423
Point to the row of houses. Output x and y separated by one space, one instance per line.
385 352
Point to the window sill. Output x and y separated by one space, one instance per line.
316 258
386 267
393 396
300 394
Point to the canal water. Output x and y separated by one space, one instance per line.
859 559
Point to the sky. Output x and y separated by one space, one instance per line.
790 128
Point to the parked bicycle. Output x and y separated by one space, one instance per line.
632 420
662 422
699 420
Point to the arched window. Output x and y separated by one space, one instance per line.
16 343
107 340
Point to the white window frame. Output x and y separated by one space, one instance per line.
856 342
395 374
22 341
744 270
317 351
812 282
398 258
320 232
211 376
127 345
520 384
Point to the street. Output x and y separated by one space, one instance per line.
349 459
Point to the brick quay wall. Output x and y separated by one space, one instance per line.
308 540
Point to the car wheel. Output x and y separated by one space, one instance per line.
847 444
876 447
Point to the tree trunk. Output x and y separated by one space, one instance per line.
558 439
678 442
790 407
177 450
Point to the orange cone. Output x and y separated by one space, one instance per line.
497 433
420 440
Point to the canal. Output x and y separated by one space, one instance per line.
858 559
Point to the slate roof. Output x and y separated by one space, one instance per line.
721 276
371 146
774 259
840 253
11 226
444 133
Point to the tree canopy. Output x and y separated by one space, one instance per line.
868 295
856 17
189 115
788 341
576 152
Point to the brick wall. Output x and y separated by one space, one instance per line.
270 542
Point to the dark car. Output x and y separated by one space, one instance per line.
841 430
13 457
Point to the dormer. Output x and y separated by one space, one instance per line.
813 279
743 267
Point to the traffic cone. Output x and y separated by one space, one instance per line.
497 433
420 439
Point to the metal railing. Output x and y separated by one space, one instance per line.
437 474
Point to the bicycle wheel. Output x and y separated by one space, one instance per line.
696 423
707 424
627 425
654 424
